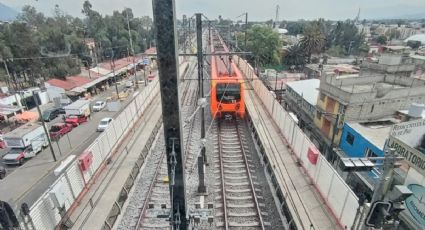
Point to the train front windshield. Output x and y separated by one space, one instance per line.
228 92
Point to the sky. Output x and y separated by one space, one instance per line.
258 10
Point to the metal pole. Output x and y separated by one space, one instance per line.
246 27
385 179
201 186
132 49
60 151
386 176
333 136
44 126
275 83
165 32
69 141
115 77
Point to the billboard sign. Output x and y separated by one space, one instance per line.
412 156
415 203
407 138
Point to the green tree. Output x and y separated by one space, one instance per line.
294 57
295 28
313 40
264 43
381 40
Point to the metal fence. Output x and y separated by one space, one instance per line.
50 209
339 197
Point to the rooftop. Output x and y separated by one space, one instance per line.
364 88
308 89
376 132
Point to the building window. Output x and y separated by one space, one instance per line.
350 138
318 115
371 108
370 153
322 97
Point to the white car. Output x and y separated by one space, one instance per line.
104 123
99 105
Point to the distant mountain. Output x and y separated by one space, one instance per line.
7 13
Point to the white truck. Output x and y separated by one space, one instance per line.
24 143
77 112
79 107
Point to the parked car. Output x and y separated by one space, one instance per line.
50 114
61 110
104 123
76 120
17 156
99 105
59 129
129 84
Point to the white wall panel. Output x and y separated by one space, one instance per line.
349 211
324 179
75 179
337 195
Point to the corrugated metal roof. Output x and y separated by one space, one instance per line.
66 85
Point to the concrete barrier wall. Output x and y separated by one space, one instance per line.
340 199
45 214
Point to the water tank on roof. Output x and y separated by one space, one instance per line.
416 110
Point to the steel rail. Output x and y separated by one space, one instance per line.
150 191
254 195
223 191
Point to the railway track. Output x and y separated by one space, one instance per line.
155 210
238 201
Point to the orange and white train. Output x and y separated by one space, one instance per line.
227 83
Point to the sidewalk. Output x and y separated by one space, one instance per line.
95 206
305 205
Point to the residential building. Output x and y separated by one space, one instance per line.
377 92
301 98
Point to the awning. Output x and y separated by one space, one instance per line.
77 90
94 82
100 70
26 116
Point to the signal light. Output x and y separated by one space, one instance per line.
237 106
379 212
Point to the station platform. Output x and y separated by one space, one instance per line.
95 206
308 209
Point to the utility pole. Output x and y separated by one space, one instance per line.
165 19
386 177
246 26
113 72
385 180
131 47
44 126
335 129
201 158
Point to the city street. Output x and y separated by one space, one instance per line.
29 176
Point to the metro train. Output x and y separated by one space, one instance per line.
227 83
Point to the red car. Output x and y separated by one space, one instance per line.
59 129
75 120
